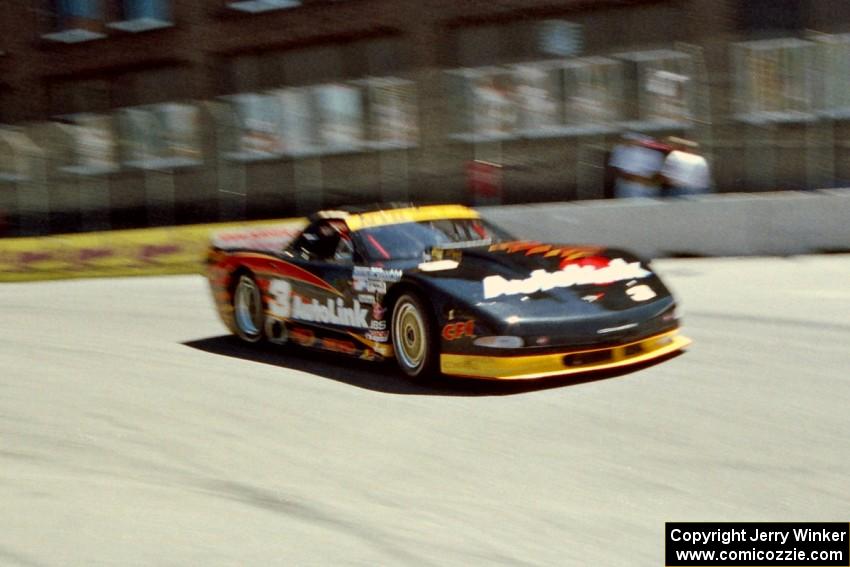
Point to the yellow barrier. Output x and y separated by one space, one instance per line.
141 252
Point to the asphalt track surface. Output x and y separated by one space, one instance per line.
132 432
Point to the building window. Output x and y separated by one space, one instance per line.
299 121
659 86
533 100
258 6
593 89
538 97
835 53
161 136
375 113
259 126
15 146
94 150
494 113
340 114
560 38
392 120
482 102
74 21
293 122
141 15
274 124
774 81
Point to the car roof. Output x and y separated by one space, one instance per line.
358 219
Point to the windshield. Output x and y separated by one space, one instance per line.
412 240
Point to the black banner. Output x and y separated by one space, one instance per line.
744 544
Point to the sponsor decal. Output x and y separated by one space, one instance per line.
337 345
378 312
378 325
302 336
615 329
366 299
640 293
377 274
438 265
285 304
413 214
372 279
370 286
271 238
281 300
534 248
571 275
455 331
378 336
334 312
514 246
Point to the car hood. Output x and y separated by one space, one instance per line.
542 288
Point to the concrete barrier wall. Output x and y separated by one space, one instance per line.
717 225
774 224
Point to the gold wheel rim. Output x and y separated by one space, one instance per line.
409 335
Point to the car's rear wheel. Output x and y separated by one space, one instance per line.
248 311
413 341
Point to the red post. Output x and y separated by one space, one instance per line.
484 180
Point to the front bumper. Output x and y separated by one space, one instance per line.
523 367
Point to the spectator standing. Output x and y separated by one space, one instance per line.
685 171
637 164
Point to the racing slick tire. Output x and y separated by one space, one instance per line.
414 344
248 309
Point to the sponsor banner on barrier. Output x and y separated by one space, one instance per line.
151 251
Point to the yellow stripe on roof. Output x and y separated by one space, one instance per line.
411 214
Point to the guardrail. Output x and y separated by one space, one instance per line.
773 224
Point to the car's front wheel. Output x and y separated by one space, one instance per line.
248 312
413 341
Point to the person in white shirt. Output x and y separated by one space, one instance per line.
686 172
637 167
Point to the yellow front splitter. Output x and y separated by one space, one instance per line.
544 365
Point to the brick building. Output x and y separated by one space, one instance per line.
124 113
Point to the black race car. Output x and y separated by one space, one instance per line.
441 290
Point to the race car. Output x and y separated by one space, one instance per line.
443 292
